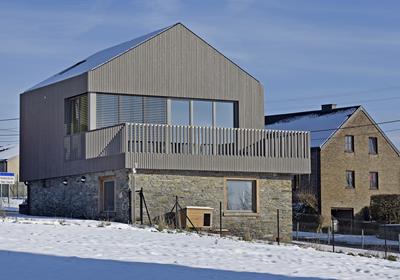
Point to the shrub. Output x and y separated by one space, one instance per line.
392 258
385 208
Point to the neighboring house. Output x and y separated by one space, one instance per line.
165 112
9 162
351 159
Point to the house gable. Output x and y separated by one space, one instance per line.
177 63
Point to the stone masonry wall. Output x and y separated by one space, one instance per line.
79 200
207 189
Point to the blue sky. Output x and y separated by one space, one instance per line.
304 52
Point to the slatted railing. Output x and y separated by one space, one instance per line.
155 146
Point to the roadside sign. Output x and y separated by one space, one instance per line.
7 178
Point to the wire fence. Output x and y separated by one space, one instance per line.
346 232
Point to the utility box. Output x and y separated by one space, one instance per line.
201 217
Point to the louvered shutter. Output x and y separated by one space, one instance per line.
106 110
155 110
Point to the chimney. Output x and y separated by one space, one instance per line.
328 107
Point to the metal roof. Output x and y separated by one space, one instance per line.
97 59
322 124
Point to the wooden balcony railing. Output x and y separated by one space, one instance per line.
153 146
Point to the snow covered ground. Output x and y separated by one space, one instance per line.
49 248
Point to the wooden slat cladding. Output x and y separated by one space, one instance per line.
179 64
42 128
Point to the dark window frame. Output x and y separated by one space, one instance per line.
350 184
373 184
373 145
349 145
102 200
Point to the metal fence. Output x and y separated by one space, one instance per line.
352 233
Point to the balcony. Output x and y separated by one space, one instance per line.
169 147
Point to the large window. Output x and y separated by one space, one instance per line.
350 180
115 109
241 195
107 195
203 113
373 180
349 143
373 145
112 109
76 114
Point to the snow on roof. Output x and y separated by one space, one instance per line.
314 121
10 151
97 59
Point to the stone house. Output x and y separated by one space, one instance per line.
351 159
167 113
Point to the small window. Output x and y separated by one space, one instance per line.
350 179
107 196
373 145
207 220
241 195
373 180
349 143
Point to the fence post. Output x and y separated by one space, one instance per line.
399 242
277 225
297 230
141 205
220 219
384 234
177 220
362 238
333 235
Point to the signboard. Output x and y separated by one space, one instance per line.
7 178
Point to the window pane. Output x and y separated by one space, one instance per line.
155 110
130 109
202 113
373 180
224 115
83 113
350 179
349 143
373 145
108 196
106 110
240 195
180 112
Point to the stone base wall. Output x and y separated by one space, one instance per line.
51 197
208 189
81 200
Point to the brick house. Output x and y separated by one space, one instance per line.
351 159
167 113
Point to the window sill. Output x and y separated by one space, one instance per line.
350 188
374 189
240 214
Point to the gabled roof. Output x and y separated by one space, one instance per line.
322 124
8 152
98 59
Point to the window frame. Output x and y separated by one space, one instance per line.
374 142
82 122
377 180
255 200
353 175
101 194
346 148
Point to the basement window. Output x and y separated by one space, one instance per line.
241 195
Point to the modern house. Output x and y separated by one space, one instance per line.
351 159
166 113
